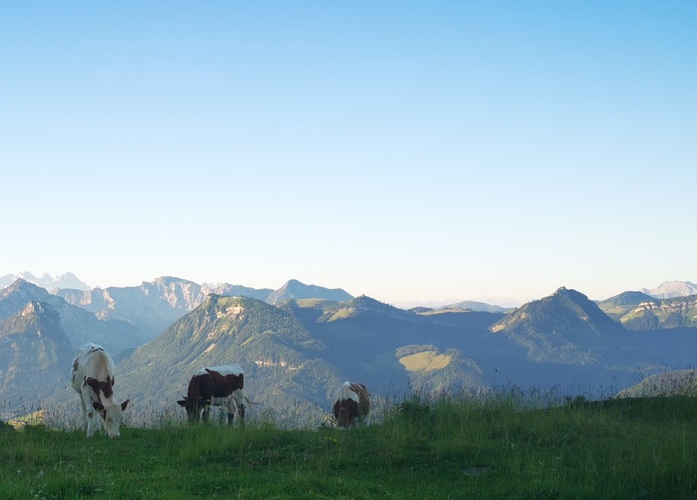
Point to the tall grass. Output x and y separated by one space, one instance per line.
502 446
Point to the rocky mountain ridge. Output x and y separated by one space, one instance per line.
637 311
67 280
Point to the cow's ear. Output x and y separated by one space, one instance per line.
208 402
97 405
182 402
124 404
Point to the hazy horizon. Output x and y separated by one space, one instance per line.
407 151
406 304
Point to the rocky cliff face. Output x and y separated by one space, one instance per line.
679 312
78 324
35 355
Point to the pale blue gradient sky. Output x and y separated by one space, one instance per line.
410 151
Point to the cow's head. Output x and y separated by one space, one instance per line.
345 411
111 416
193 407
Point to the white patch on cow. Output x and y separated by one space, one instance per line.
239 397
345 392
223 370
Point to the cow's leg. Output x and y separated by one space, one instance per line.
230 405
90 412
241 410
84 411
205 414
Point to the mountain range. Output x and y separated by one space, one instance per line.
299 342
67 280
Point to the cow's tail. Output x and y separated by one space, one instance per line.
250 401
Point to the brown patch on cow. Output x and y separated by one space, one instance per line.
347 410
363 397
224 385
93 383
106 388
97 387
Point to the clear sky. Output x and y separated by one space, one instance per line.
415 152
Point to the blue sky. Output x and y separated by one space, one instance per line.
415 152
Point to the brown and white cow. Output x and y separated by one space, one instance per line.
217 386
351 402
92 376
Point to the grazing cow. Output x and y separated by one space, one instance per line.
351 403
218 386
92 377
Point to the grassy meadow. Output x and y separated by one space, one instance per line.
448 448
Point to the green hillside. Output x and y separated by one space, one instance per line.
619 305
282 362
376 342
565 327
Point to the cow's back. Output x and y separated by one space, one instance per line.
226 380
91 360
216 381
363 399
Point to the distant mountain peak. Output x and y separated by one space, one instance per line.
629 298
294 289
168 280
563 327
366 303
471 305
65 281
364 300
23 288
570 293
672 289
